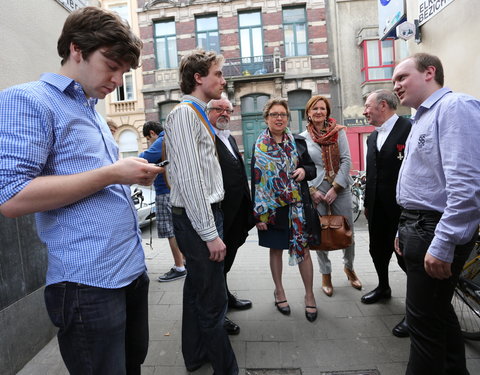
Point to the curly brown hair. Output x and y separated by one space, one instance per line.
91 28
197 61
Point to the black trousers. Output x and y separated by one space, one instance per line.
236 235
204 300
382 228
437 346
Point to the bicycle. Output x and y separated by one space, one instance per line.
466 298
358 194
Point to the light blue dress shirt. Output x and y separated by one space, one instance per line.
441 170
49 127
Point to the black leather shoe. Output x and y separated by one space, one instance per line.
311 316
401 329
238 304
376 295
285 310
194 367
231 327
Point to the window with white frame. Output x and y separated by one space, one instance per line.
378 60
121 10
165 44
127 90
128 143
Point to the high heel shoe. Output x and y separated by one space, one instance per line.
285 310
311 316
352 277
327 286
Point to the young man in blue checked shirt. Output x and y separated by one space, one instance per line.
60 160
196 192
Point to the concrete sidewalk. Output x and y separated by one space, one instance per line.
347 334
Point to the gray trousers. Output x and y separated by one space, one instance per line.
341 206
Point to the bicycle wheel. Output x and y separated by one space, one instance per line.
468 312
466 298
356 205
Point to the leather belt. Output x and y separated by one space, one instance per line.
181 210
420 213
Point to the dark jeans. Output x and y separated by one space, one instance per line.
204 300
437 346
101 331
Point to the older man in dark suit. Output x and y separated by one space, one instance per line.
237 204
384 157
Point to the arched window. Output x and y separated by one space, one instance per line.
128 143
297 100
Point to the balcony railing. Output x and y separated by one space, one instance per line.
250 66
124 107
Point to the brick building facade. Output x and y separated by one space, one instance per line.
272 49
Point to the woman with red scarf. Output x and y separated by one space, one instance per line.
328 147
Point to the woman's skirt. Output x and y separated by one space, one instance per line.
277 236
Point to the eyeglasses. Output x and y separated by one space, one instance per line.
221 110
276 115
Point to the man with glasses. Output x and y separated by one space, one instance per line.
237 204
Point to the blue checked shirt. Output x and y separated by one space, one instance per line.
441 170
48 127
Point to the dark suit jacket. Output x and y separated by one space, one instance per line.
382 169
237 200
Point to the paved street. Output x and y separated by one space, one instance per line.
347 334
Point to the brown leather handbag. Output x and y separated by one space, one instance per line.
336 233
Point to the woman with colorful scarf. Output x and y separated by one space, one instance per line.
328 147
278 169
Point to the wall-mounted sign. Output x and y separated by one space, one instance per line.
429 8
355 122
390 14
72 5
406 30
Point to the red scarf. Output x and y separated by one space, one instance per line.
328 140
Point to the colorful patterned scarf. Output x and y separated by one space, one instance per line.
328 139
275 188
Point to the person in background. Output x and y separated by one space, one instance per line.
154 134
280 164
237 204
439 192
385 154
328 147
196 184
60 161
112 126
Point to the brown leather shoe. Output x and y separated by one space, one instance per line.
327 286
352 277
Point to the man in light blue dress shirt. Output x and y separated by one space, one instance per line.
60 161
438 189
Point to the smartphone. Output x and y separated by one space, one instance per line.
163 163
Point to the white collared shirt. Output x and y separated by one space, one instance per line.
384 131
223 135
